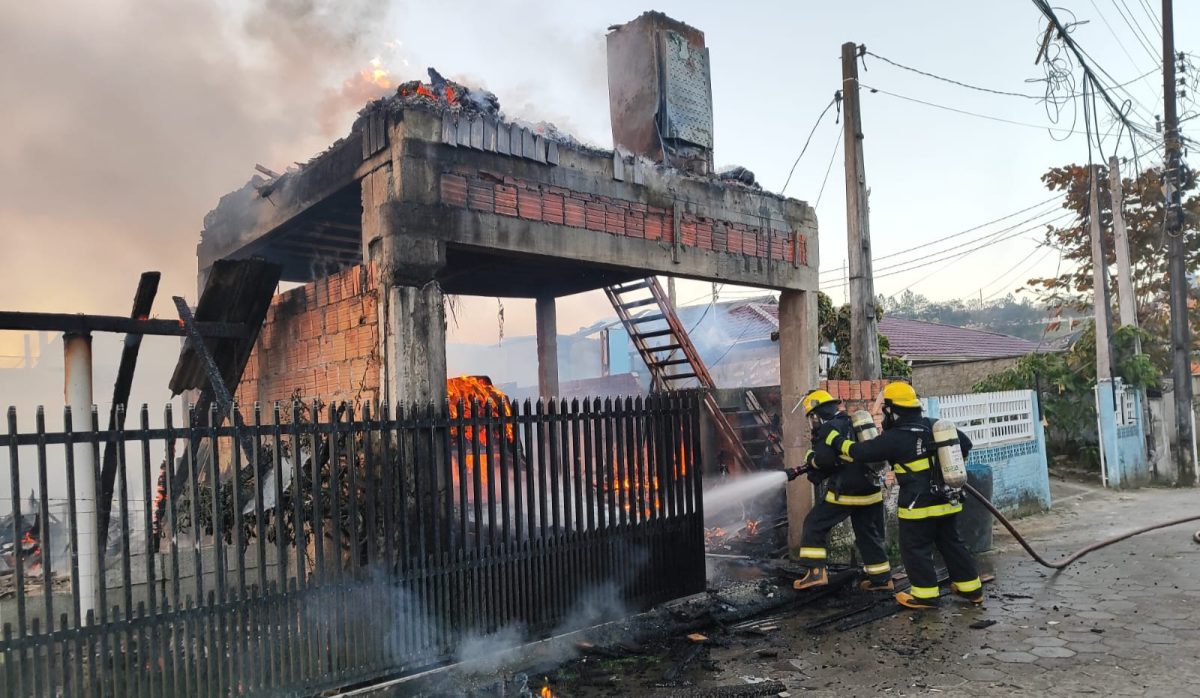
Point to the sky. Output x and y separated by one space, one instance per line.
125 121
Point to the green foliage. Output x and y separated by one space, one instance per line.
835 327
1143 211
1066 381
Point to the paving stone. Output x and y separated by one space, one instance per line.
1015 657
1089 648
1053 652
1157 638
1096 615
1081 636
1043 641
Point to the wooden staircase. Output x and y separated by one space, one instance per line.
746 432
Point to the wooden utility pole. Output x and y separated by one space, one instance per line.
1099 284
1181 341
864 342
1125 297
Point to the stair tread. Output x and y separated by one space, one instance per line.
639 303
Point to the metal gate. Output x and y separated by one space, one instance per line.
316 547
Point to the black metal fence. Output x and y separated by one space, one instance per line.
308 549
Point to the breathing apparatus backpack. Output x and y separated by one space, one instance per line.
865 430
949 467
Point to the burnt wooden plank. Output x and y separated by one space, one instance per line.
489 135
74 323
464 131
539 148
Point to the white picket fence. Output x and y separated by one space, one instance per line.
991 419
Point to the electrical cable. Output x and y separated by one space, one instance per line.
964 112
1063 562
1136 27
1006 274
829 168
923 249
949 80
1117 38
837 96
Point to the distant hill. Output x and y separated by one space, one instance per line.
1009 315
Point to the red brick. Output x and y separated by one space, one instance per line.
750 243
559 190
704 235
573 213
733 240
614 219
802 243
595 218
654 227
552 208
635 224
506 200
529 204
687 230
635 206
480 196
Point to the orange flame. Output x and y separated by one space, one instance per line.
751 527
546 692
465 392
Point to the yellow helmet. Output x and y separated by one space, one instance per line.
900 394
817 398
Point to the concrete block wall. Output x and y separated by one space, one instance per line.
467 187
956 378
318 341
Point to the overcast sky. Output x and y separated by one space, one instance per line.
125 120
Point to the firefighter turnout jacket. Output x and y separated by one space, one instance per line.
908 447
847 482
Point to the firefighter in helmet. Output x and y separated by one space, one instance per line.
927 509
845 489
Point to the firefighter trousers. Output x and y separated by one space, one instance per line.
867 521
919 538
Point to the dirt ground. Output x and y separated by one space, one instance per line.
1123 621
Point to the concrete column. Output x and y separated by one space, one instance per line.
547 347
798 357
414 338
77 390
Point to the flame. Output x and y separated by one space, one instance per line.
464 393
545 692
377 74
751 527
714 535
445 92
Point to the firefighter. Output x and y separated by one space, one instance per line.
845 489
928 511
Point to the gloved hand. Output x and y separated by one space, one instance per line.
816 476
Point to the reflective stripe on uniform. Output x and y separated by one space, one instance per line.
916 466
924 592
812 553
854 500
831 437
877 569
930 511
846 447
967 587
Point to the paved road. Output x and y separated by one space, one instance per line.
1123 621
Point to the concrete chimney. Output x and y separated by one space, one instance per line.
659 92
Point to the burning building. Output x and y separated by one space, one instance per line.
433 192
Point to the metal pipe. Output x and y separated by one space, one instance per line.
77 392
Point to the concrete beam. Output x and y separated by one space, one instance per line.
487 231
547 347
799 348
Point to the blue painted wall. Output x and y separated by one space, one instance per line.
1020 472
1125 461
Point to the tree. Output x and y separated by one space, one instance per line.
1065 381
1143 211
835 327
1008 315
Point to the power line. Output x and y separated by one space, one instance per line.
1115 36
1138 34
1006 274
837 96
950 80
964 253
964 112
924 246
829 168
1155 20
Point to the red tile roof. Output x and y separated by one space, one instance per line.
915 340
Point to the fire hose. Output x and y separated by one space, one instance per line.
1060 564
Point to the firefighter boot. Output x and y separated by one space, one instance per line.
814 577
971 591
877 583
907 600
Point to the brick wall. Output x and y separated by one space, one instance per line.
857 395
465 187
956 378
318 341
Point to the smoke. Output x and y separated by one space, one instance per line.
126 121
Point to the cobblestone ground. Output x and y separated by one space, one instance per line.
1123 621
